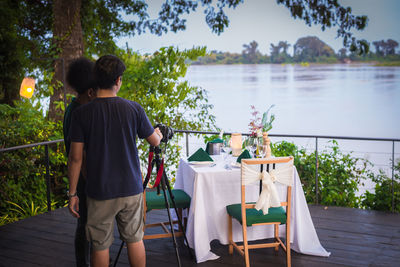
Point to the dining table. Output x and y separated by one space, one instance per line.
217 184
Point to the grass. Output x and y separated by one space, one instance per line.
388 64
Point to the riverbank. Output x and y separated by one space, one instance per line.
307 64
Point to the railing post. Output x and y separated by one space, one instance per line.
316 170
46 149
393 176
187 144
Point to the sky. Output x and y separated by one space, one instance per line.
267 22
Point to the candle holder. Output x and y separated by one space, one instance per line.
236 144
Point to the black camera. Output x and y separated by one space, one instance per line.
166 131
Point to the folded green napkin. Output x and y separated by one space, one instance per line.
245 155
215 141
200 155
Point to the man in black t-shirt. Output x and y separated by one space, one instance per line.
107 128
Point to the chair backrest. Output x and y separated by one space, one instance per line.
268 175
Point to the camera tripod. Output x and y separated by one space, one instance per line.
162 183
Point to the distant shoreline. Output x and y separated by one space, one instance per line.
306 64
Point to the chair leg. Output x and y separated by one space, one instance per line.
276 230
230 235
180 217
185 220
288 257
246 246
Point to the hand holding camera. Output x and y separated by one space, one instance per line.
166 132
158 132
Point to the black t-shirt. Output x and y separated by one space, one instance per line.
67 122
108 128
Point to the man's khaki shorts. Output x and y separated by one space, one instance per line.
128 212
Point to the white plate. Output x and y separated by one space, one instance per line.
236 164
201 163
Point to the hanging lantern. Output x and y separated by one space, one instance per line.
27 87
236 144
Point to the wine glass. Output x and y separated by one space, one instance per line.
262 150
251 145
226 149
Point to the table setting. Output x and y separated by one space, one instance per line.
212 178
215 185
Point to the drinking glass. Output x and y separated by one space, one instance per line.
225 149
262 150
251 145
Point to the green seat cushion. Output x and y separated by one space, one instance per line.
157 202
254 216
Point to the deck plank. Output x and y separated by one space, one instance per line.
354 237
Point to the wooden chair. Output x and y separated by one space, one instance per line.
154 201
247 214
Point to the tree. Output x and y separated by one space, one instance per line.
45 28
342 54
310 48
383 48
250 52
284 45
378 45
279 52
275 50
68 41
391 46
24 34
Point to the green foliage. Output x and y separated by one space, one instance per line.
27 210
266 120
382 198
339 174
23 171
311 48
155 82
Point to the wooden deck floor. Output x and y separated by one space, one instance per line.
354 237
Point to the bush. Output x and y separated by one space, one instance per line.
382 198
339 174
23 171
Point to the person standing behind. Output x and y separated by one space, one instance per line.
80 78
107 128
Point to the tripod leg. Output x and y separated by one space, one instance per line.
177 213
119 253
170 221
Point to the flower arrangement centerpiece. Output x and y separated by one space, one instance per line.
259 128
258 125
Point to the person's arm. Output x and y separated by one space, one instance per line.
155 138
74 168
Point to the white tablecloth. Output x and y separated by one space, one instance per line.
213 188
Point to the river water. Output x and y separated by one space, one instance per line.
340 100
336 100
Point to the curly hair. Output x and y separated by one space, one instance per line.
80 75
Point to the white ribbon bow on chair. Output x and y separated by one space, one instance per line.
269 195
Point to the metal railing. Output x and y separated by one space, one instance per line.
317 137
47 161
187 132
